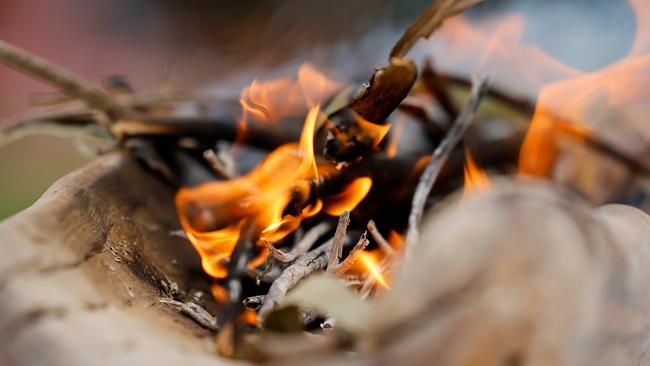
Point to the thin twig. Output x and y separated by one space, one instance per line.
307 264
194 312
381 242
62 80
337 247
438 159
354 254
303 245
213 160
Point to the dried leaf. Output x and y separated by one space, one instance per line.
328 295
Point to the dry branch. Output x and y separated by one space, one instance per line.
60 79
309 263
427 22
194 312
438 159
302 246
381 242
337 243
342 268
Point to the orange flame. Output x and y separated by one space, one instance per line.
349 198
373 131
476 180
261 195
371 265
213 214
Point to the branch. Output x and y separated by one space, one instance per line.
438 159
60 79
194 311
309 263
302 246
337 245
352 257
381 242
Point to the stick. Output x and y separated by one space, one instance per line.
213 160
354 254
337 245
60 79
302 246
254 302
438 158
428 22
307 264
381 242
194 312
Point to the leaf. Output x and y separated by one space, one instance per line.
428 22
329 296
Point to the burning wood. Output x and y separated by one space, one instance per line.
487 274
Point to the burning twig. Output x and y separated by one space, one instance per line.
354 254
58 78
387 88
381 242
438 158
194 312
309 263
337 245
302 246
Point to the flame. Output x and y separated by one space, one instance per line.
214 214
373 131
371 266
396 133
396 240
261 195
476 180
349 198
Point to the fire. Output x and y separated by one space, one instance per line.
373 131
476 180
371 266
214 214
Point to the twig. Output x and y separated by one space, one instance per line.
381 242
337 247
427 22
302 246
438 159
305 265
354 254
194 312
213 160
62 80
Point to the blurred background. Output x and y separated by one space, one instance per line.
220 46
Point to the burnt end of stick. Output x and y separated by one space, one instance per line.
348 139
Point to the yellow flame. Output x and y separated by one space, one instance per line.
373 269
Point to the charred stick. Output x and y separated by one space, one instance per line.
348 139
438 159
304 266
381 242
194 312
336 251
353 256
302 246
328 325
62 80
